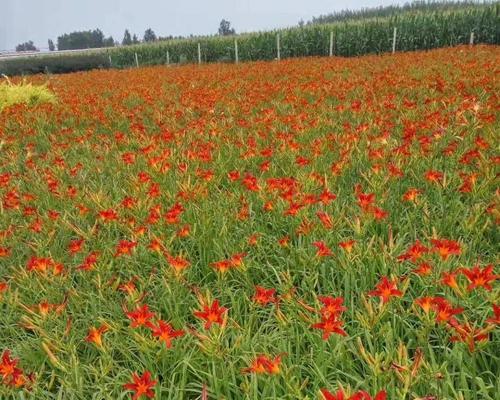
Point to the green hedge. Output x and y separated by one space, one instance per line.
416 31
54 63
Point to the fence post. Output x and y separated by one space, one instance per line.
471 41
110 63
199 53
394 40
136 60
331 44
236 56
168 58
278 46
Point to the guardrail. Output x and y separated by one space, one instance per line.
22 54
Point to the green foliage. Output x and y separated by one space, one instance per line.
27 46
54 63
225 28
393 10
149 35
83 40
127 38
27 93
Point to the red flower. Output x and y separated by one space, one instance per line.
325 219
365 200
39 264
330 396
128 287
264 296
450 279
212 314
326 197
4 251
263 364
141 385
293 209
386 289
250 182
124 247
479 277
237 259
423 269
183 231
330 325
165 332
445 311
411 194
258 366
470 335
323 249
95 335
426 303
89 262
7 366
141 316
76 245
378 213
361 395
222 266
446 247
233 175
434 176
108 215
496 318
283 242
332 306
173 214
347 245
178 263
3 288
416 251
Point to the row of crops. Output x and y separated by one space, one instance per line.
415 31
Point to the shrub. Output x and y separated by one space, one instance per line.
24 92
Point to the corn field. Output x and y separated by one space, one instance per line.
415 31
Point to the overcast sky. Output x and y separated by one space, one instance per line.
39 20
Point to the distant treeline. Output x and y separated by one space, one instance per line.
84 40
93 39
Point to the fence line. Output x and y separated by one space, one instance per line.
29 54
120 60
21 54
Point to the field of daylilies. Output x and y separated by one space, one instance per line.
316 228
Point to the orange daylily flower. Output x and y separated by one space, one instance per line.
386 289
141 385
166 333
211 314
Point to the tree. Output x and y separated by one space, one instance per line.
149 35
81 40
27 46
225 28
108 42
127 39
135 40
51 45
